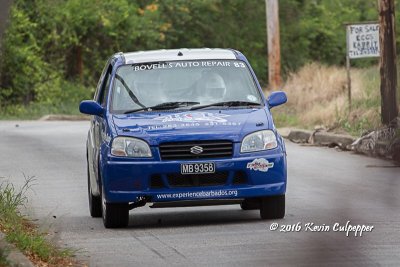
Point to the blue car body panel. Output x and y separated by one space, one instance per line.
124 179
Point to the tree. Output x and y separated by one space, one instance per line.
5 8
388 69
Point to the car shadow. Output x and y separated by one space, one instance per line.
183 217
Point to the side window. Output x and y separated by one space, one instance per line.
99 84
102 99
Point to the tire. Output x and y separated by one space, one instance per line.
94 201
272 207
115 215
250 204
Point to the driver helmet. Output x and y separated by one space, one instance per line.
214 86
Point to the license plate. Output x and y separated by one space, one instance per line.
194 168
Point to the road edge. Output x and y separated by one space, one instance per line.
13 255
318 137
343 141
61 117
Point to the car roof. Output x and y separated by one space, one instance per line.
178 54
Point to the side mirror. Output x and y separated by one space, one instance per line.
91 107
276 98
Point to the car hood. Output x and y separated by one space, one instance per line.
159 127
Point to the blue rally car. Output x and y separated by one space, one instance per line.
182 127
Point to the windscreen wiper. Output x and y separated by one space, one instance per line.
227 104
166 105
130 93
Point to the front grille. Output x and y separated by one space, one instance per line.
193 180
210 149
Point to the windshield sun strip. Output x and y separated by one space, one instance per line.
249 72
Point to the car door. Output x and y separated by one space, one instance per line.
98 124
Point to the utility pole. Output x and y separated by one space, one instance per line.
274 50
388 69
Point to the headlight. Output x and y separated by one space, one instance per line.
262 140
130 147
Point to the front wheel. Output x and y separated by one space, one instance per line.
272 207
115 215
94 201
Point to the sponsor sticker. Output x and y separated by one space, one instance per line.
193 117
260 164
251 98
188 64
199 194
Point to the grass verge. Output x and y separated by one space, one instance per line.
35 111
3 258
317 96
21 232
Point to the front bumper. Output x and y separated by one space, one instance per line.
127 181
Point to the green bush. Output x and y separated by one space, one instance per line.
53 51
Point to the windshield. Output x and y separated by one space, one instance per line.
182 85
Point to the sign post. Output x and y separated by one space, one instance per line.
362 42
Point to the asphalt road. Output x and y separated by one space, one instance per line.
325 187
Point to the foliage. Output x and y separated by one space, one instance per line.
315 30
52 46
19 231
318 97
3 258
22 64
